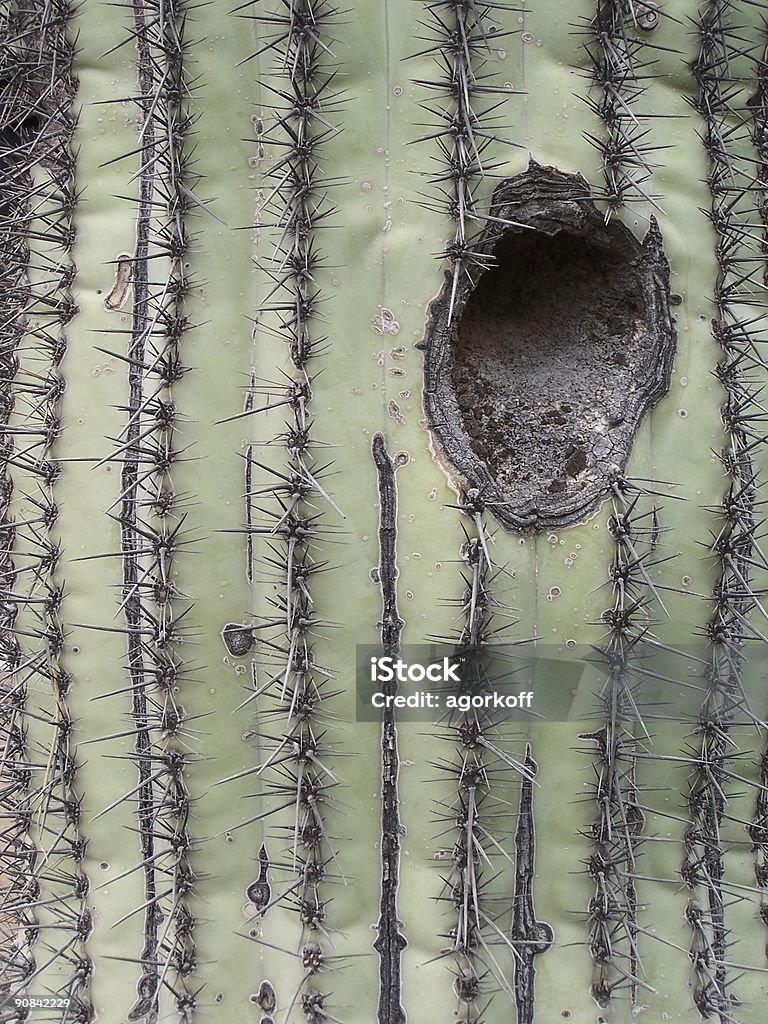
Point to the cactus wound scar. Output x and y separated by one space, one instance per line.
536 387
118 293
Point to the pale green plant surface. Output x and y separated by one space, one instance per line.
375 286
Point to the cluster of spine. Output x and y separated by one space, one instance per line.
284 512
481 939
617 831
738 296
479 946
43 909
459 35
619 57
151 511
758 830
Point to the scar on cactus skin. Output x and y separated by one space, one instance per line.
566 308
534 937
389 941
119 291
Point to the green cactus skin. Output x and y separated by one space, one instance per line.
220 235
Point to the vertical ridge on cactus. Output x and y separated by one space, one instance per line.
151 597
45 896
460 50
291 513
620 58
617 832
759 824
733 545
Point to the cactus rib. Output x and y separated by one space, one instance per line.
459 38
292 208
150 518
758 827
618 58
617 833
734 545
46 898
480 741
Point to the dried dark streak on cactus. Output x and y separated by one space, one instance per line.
297 203
44 892
148 984
505 350
151 540
389 941
531 937
618 59
731 180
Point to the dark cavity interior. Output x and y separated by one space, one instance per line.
545 356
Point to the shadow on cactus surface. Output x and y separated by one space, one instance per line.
420 322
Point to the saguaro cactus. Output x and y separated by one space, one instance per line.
424 322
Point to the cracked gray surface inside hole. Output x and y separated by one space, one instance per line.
546 353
